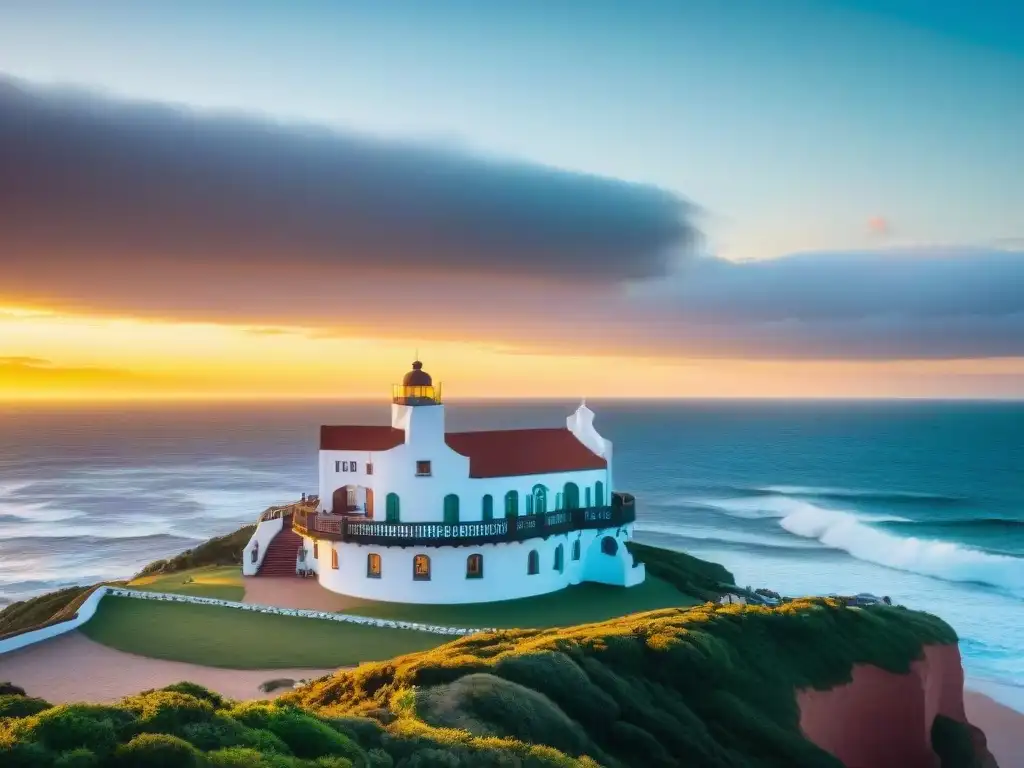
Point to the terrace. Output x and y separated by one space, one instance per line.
359 529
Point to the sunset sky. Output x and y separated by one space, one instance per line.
646 199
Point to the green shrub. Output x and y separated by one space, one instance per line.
157 750
217 733
12 705
194 689
308 737
70 726
167 711
265 742
237 757
378 758
25 754
332 762
76 758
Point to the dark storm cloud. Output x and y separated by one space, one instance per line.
86 179
151 211
897 303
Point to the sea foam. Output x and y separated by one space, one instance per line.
852 533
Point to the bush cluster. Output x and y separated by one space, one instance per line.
706 686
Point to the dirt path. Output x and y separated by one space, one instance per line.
290 592
74 668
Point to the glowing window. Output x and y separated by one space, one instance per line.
475 567
373 566
421 568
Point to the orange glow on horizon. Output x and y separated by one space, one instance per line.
48 355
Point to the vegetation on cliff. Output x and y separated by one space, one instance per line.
708 686
221 550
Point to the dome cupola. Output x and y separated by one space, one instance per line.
417 377
417 388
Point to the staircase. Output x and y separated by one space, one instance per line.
282 552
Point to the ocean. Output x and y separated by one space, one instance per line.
920 501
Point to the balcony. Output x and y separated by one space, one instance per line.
359 530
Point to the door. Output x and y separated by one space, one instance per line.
339 500
571 498
451 509
540 499
369 502
391 508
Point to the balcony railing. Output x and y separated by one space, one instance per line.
498 531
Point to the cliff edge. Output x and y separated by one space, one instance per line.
882 719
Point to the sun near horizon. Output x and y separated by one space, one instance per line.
53 356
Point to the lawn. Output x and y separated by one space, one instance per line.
223 582
580 604
237 639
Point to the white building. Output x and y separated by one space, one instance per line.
412 513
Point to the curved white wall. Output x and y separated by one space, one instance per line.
85 612
505 569
265 531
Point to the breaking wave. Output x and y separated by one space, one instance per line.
853 493
852 533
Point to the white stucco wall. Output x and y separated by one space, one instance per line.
505 569
265 531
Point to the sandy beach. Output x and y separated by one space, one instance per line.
74 668
1003 727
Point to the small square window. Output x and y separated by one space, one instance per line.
369 468
422 469
352 466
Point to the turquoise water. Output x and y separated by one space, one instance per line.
921 501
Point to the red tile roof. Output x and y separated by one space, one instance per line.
512 452
360 438
497 453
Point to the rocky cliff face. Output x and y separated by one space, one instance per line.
884 720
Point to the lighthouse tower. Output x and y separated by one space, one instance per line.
416 408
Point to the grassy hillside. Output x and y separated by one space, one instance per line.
221 550
709 686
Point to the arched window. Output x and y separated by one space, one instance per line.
392 509
475 567
576 550
540 499
609 546
533 563
559 558
373 566
599 494
586 493
571 496
334 558
421 568
488 507
451 509
529 503
511 504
